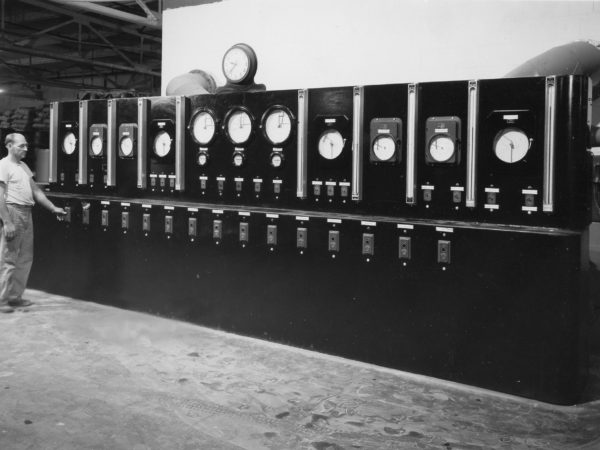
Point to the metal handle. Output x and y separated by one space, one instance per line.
111 143
180 105
53 161
549 144
411 143
357 143
472 129
142 143
302 151
83 142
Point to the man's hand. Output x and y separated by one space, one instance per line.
59 213
9 230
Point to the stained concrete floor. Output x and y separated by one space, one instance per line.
78 375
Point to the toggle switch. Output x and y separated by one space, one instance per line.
217 229
529 200
368 244
456 196
146 222
203 185
330 190
162 182
192 227
238 186
404 244
317 190
334 241
172 183
221 185
301 237
153 181
443 252
277 188
344 191
91 178
427 195
491 198
68 214
244 232
85 215
257 186
271 234
125 220
169 224
104 218
62 177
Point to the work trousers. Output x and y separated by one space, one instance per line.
16 255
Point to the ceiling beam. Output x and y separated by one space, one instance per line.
153 20
76 59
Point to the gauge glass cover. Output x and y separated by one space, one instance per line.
239 127
236 64
331 144
162 144
126 146
384 147
69 143
511 145
203 127
278 126
97 146
441 148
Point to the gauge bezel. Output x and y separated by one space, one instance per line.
432 159
195 115
323 133
263 121
227 118
248 77
503 132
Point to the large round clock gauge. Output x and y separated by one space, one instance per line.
69 143
238 125
441 148
162 144
277 125
97 146
384 147
331 144
203 127
240 64
511 145
126 146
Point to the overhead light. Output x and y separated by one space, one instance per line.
1 91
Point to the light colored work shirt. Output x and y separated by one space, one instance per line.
16 178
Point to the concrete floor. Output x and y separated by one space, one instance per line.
78 375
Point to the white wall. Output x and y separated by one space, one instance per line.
311 43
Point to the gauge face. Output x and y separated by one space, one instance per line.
239 126
126 146
236 64
203 127
97 146
162 144
202 159
441 148
276 160
69 143
278 126
331 144
384 147
238 160
511 145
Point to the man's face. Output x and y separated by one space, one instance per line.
18 148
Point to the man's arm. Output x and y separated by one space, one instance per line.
40 197
9 226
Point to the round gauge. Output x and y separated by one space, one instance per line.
239 64
276 160
331 144
97 146
511 145
278 126
203 127
162 144
239 126
384 147
126 146
202 158
69 143
441 148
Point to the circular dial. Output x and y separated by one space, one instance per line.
441 148
331 144
203 127
69 143
162 144
511 145
384 147
238 160
202 159
97 145
239 126
126 146
276 160
278 126
236 64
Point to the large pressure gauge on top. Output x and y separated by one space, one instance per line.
331 144
203 127
277 124
442 140
238 126
69 144
162 144
240 64
511 145
386 138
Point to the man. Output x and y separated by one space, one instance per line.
18 193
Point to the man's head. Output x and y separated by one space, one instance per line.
16 145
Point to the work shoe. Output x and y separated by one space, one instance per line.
19 303
6 309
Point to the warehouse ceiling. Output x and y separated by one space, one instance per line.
94 46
